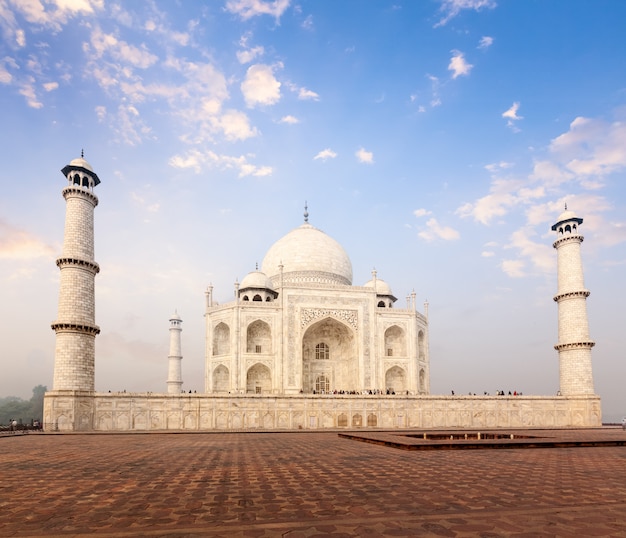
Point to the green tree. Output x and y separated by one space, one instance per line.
12 407
36 402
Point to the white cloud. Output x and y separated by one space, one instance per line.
512 116
5 76
485 42
249 55
235 125
129 125
366 157
487 254
307 24
513 268
27 89
292 120
422 212
451 8
592 147
260 86
50 86
304 95
458 65
17 244
121 51
436 231
496 167
495 204
199 161
101 112
540 254
247 9
325 154
20 38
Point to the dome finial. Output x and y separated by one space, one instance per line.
306 212
256 268
565 206
82 153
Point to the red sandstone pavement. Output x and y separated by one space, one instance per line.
305 484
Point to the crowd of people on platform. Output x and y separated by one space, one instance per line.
498 393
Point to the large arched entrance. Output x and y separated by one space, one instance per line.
329 355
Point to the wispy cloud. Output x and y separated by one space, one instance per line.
201 160
485 42
512 116
458 65
325 154
451 8
18 244
247 9
292 120
422 212
434 231
307 95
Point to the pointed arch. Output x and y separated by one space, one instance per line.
221 339
395 342
258 337
221 379
395 379
259 379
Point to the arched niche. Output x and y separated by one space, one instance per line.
395 342
258 337
221 339
259 380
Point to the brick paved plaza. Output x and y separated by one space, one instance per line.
305 484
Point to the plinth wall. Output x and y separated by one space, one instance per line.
123 412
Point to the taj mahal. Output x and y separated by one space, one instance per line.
301 347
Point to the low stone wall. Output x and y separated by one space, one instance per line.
83 411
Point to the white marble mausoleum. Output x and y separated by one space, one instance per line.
301 347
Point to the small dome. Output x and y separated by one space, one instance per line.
382 288
566 215
81 163
311 256
257 280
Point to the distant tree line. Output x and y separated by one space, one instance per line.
24 411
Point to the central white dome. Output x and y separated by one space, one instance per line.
308 255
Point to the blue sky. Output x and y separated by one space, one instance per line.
437 141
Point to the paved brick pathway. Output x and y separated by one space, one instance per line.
304 485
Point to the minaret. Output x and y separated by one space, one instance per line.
75 326
574 347
175 376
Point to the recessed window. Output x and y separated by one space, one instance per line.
322 351
322 384
389 352
258 349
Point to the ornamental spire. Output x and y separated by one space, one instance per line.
306 212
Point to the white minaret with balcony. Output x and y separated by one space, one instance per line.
175 375
75 325
574 346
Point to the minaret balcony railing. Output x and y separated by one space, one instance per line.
571 294
92 266
75 327
575 345
567 238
